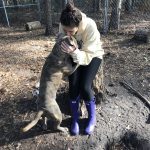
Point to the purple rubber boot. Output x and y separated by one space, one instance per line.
91 108
74 105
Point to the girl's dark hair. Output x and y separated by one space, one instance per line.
70 16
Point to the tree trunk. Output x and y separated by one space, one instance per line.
144 5
105 12
95 6
48 17
62 4
98 85
128 5
15 4
2 13
115 14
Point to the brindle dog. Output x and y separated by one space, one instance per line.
57 64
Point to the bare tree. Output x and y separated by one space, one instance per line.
105 5
2 13
15 4
96 5
129 5
115 14
48 17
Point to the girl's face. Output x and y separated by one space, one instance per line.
70 31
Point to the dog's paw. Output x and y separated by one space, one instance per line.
63 129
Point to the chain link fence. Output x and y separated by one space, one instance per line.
127 15
17 12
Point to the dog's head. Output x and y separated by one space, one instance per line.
70 40
64 60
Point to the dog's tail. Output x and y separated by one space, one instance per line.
34 122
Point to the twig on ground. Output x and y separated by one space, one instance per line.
136 93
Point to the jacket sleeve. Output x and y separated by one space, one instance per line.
91 42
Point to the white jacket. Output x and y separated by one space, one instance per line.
90 36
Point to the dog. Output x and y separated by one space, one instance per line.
57 65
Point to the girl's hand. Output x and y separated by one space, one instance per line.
67 48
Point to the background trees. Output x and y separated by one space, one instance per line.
106 13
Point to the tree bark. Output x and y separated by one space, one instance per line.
98 85
95 6
48 17
2 14
15 4
105 12
115 14
128 5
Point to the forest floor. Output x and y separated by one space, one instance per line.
22 55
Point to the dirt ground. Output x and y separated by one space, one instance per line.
22 55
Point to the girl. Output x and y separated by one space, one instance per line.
88 55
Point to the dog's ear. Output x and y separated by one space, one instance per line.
73 41
59 37
68 40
